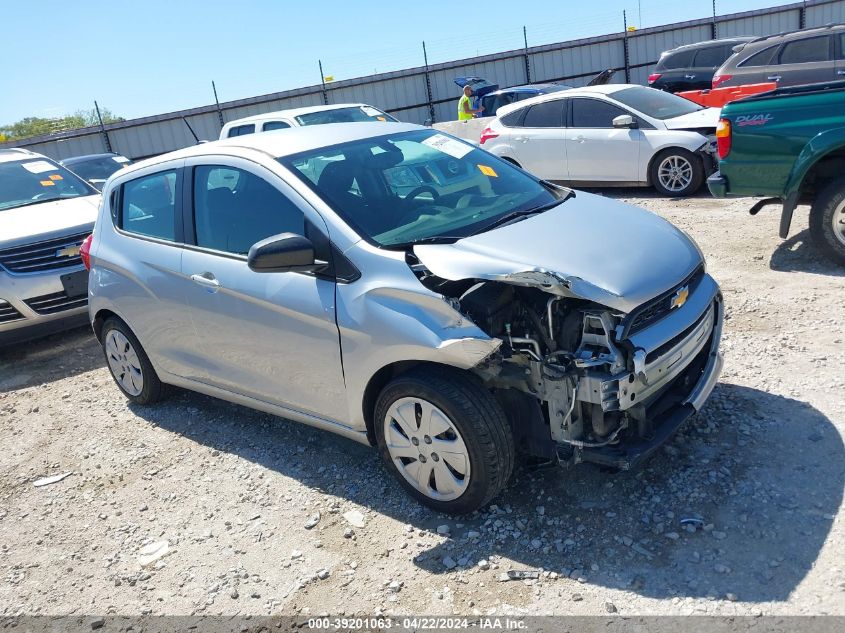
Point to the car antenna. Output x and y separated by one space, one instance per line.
194 134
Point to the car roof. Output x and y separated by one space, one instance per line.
80 159
816 30
586 91
704 44
16 153
529 88
279 143
294 112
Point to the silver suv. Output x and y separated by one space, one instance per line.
45 214
405 289
801 57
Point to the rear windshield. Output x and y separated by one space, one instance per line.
654 103
99 168
353 114
39 180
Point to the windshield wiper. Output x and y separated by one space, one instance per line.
433 239
522 213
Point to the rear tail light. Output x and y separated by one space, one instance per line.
486 135
85 251
653 77
723 138
720 79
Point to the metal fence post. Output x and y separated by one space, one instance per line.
625 48
103 129
323 83
431 115
527 59
713 31
802 15
217 103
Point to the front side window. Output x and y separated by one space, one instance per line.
402 188
241 130
148 205
353 114
592 113
812 49
547 114
234 209
269 126
654 103
24 183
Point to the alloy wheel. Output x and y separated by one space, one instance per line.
675 173
427 448
838 222
124 363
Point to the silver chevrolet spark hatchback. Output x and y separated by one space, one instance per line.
408 290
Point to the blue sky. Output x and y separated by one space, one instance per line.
145 57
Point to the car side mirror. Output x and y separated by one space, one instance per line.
625 121
286 252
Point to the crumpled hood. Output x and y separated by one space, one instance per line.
35 222
589 247
708 117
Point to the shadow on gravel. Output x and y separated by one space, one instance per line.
50 358
762 475
799 254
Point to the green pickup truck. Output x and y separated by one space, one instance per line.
788 144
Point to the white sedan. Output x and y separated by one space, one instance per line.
611 135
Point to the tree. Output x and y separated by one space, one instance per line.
37 126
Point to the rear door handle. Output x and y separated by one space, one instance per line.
689 76
774 77
580 138
206 280
840 72
520 138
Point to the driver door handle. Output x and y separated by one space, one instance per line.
206 280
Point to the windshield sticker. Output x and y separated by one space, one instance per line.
370 111
381 118
39 167
488 171
120 159
448 145
56 177
48 183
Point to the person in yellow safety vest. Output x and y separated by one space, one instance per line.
465 111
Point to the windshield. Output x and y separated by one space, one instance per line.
99 168
39 180
655 103
402 188
354 114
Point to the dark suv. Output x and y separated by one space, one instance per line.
801 57
691 67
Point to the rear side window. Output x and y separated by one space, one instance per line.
763 58
592 113
548 114
234 209
812 49
275 125
712 57
148 205
240 130
681 59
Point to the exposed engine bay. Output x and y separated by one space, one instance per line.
574 390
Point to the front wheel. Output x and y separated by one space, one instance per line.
676 172
445 438
827 221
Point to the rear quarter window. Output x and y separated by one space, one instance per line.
761 58
671 61
148 206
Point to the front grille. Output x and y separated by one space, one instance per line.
660 307
41 256
8 312
56 302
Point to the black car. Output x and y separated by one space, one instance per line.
691 67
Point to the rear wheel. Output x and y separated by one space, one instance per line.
676 172
445 438
129 365
827 221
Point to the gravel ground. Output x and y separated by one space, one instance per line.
255 515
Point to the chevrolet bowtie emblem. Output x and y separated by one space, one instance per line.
68 251
679 298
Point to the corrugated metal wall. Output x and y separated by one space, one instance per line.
404 93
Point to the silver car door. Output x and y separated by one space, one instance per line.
270 336
596 151
539 140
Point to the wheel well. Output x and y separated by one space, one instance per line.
824 170
379 381
100 319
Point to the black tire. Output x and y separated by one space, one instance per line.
827 203
695 181
476 415
152 389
